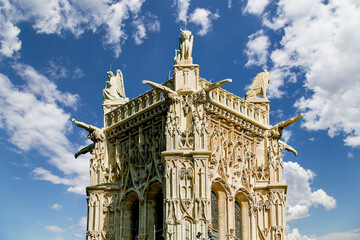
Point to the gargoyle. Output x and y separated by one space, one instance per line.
286 147
95 135
165 90
277 129
86 149
218 84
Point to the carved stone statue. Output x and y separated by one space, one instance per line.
258 86
95 135
165 90
185 46
114 88
277 129
285 146
114 92
218 84
85 150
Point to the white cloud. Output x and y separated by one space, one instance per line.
256 6
53 228
294 234
319 41
350 155
203 17
60 16
301 197
78 73
319 197
56 69
9 41
56 206
144 24
229 4
353 234
182 10
257 49
286 135
83 223
33 119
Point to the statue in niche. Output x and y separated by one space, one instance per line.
185 46
114 89
95 135
259 86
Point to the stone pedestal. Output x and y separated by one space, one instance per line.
186 78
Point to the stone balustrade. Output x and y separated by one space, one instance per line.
219 96
134 107
254 112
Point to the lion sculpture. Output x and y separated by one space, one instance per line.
258 86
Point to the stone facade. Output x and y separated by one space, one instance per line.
187 160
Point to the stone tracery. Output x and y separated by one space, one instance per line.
182 142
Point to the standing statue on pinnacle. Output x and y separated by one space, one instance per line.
114 88
259 86
185 46
114 92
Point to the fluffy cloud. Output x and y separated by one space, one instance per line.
35 119
319 40
9 41
144 24
83 223
256 6
300 197
257 49
182 10
56 206
200 16
294 234
203 17
76 17
353 234
286 135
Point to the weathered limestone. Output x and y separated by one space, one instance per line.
114 92
187 160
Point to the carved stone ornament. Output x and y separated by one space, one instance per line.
186 159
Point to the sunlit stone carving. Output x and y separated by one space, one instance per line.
187 160
258 86
114 92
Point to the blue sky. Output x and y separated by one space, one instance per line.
54 55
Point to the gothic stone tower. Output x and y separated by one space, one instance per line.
186 160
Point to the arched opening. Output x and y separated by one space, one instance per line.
219 198
242 216
155 211
159 215
130 217
135 220
237 213
214 215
